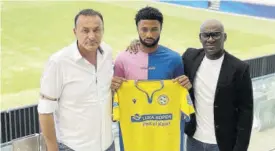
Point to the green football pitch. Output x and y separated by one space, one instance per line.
32 31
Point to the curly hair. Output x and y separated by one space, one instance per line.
149 13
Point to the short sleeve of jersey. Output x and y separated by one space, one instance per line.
115 108
179 70
187 107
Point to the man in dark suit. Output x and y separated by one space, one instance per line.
222 94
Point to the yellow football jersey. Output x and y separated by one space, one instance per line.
150 113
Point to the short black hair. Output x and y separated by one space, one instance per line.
88 12
149 13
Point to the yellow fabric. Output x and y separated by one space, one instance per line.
151 126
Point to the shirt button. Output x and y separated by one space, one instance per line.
216 106
217 126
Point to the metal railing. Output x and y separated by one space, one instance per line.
19 122
261 66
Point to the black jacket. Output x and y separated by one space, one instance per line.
233 104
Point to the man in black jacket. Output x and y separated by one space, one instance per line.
222 94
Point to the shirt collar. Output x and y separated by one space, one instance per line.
76 54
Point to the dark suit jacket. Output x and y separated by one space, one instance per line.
233 104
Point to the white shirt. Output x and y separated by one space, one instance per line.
205 87
83 118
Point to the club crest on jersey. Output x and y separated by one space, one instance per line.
163 99
134 101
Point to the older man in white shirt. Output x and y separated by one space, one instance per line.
75 104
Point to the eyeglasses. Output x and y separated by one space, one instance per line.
214 35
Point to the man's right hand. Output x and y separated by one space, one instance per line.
116 83
134 46
52 147
48 131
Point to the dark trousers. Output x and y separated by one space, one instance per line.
195 145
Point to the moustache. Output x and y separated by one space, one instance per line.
149 39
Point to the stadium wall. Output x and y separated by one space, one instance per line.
265 9
251 9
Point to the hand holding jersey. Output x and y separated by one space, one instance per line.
116 82
183 81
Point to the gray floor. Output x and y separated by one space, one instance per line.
262 141
6 148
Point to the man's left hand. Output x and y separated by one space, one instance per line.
116 83
134 46
183 81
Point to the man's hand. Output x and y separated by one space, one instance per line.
183 81
134 46
52 147
48 131
116 83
